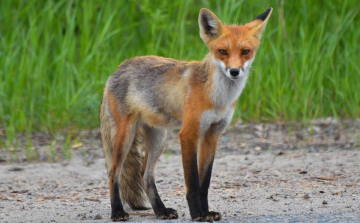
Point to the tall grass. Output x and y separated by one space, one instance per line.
55 56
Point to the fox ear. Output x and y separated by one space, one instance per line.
258 24
210 25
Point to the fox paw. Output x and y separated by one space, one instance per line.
119 216
167 213
207 216
211 216
197 217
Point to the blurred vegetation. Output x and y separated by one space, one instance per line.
55 56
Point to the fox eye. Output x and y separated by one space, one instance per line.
244 52
223 52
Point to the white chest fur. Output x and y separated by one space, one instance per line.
223 117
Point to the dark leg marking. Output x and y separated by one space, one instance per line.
159 208
117 210
193 196
205 188
212 215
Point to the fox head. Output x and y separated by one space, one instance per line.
233 48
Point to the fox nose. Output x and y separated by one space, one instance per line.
234 72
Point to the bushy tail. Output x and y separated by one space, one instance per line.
130 181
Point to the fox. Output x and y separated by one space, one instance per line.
149 95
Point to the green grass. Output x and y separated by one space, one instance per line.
55 56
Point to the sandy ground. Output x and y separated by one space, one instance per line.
261 172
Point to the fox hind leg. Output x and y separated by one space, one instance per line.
154 141
125 132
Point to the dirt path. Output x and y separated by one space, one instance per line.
242 186
250 182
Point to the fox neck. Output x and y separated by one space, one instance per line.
223 90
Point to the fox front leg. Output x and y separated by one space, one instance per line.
189 137
208 145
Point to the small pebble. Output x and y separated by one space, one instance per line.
225 139
97 217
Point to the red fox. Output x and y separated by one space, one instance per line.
148 95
